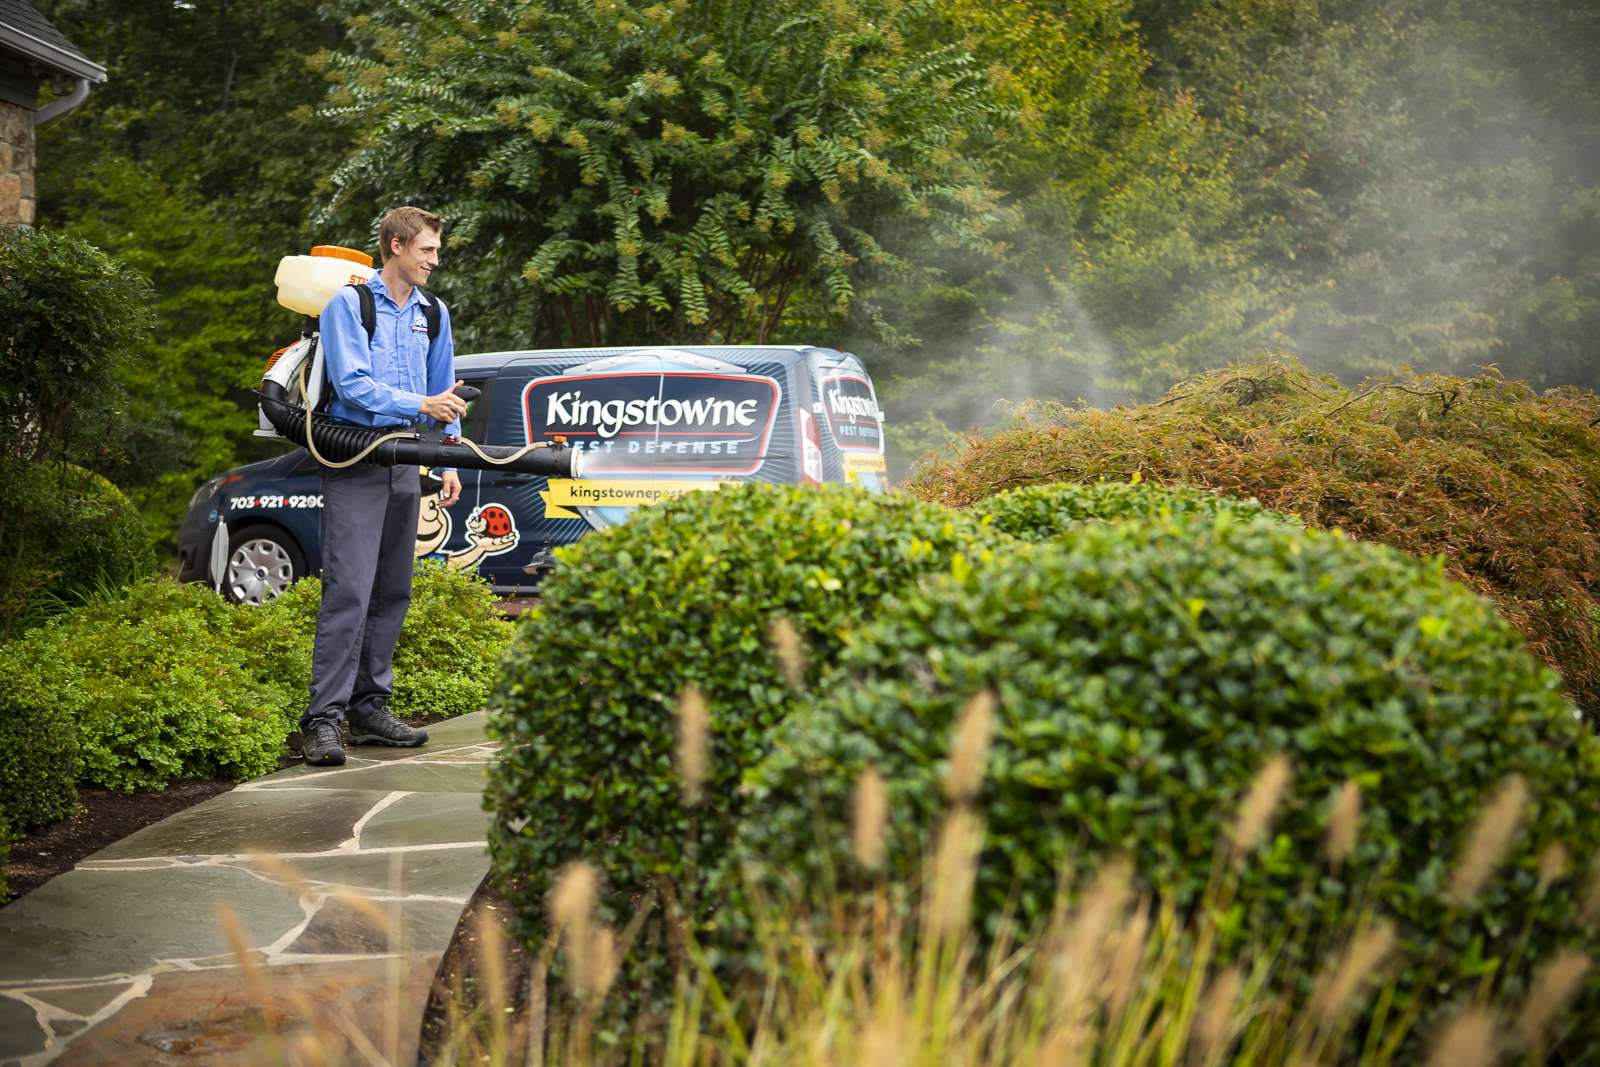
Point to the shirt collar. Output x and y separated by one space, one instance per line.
378 287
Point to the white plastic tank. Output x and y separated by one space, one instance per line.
306 283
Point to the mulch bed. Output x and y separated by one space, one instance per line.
457 984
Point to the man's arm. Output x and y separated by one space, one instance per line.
345 346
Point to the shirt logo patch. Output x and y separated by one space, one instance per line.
419 325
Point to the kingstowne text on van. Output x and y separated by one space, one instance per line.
857 407
609 417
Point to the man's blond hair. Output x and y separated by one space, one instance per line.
405 223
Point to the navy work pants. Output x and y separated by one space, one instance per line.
369 537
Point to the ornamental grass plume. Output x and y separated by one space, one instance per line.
1344 819
969 748
1590 912
1552 865
492 957
1217 1012
572 901
1082 959
1470 1040
694 723
1123 976
870 815
789 649
591 946
1497 824
955 866
1335 991
1255 814
1558 982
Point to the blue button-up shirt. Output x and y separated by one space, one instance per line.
384 383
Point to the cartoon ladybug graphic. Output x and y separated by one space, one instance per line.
496 520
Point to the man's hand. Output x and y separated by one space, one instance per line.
450 488
445 407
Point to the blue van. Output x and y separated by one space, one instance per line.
651 423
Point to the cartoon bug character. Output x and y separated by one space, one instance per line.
491 530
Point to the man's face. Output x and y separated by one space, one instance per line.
417 260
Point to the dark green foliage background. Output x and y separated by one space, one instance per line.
684 593
66 534
1144 672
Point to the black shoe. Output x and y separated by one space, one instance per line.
375 726
320 744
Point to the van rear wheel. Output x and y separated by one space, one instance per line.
263 561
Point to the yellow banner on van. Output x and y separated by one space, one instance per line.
567 493
855 465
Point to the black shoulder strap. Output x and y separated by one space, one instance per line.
430 311
369 308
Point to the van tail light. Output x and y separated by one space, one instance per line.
810 449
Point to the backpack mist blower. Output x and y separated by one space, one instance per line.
295 391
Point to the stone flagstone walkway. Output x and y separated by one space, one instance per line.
123 960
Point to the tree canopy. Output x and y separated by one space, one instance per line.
988 202
612 172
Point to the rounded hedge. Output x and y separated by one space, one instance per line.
69 535
683 594
1144 673
1042 512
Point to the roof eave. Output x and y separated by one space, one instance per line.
50 55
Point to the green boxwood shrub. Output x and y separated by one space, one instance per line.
67 534
156 685
38 750
1500 480
1041 512
682 594
1144 673
450 646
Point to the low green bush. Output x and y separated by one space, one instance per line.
1041 512
444 663
38 751
67 534
1500 480
451 644
683 594
278 635
157 688
164 682
1144 673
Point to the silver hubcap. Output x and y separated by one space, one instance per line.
258 571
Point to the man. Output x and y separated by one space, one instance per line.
369 514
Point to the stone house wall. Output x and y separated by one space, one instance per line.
16 165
